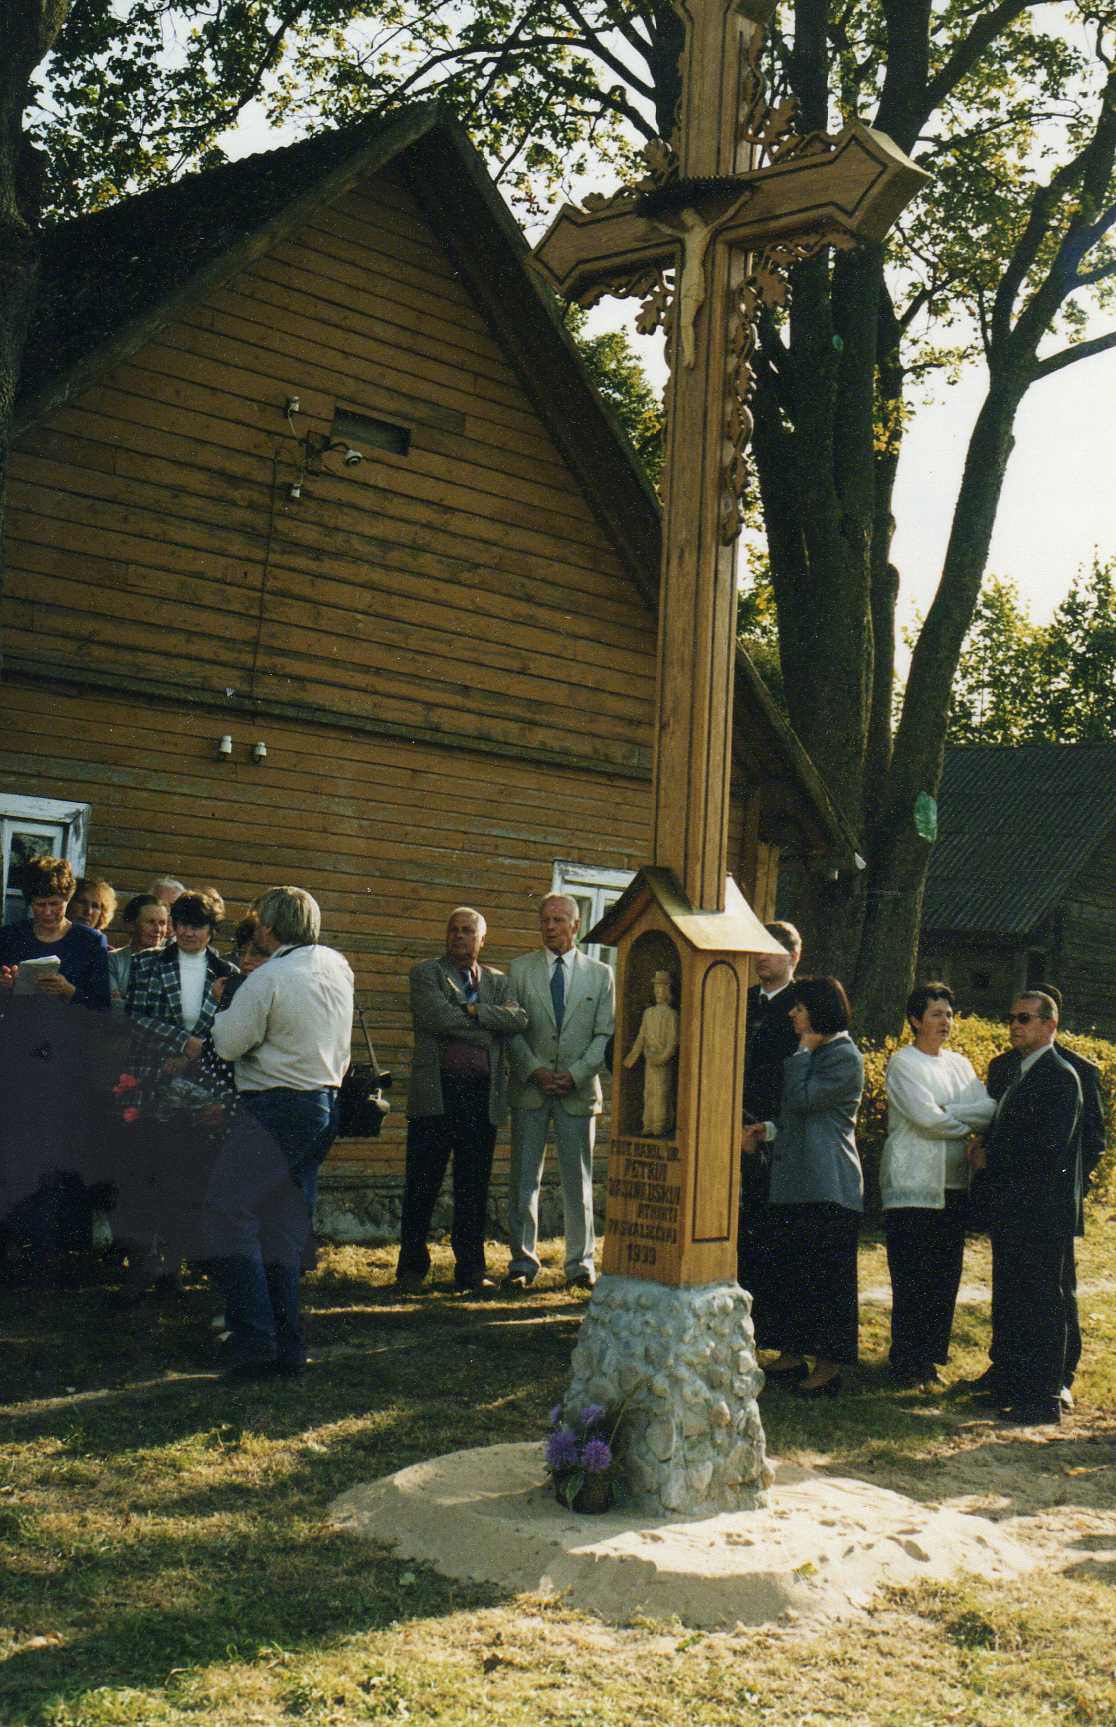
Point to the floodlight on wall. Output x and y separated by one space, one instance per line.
316 446
259 751
224 747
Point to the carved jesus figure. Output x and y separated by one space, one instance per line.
657 1043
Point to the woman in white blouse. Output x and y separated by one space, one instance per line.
935 1102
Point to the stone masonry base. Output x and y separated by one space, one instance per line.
682 1364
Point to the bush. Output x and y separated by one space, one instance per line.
980 1040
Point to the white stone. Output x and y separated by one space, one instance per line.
691 1416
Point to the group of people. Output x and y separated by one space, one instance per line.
533 1042
229 1104
226 1099
1023 1145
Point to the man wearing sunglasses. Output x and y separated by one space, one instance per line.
1032 1152
1001 1072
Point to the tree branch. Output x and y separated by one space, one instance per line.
593 42
988 26
1070 356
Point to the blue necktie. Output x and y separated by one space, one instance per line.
471 987
558 991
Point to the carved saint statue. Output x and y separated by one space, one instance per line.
657 1043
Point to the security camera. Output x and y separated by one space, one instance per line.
352 457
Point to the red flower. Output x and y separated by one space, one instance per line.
130 1114
126 1082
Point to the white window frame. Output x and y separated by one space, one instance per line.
72 817
601 886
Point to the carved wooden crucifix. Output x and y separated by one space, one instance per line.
707 237
739 199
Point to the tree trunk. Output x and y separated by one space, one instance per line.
899 856
30 27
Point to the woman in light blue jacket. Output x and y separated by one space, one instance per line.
817 1194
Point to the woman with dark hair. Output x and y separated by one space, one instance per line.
147 921
52 1066
81 976
172 1003
817 1194
934 1103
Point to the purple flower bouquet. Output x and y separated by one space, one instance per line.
581 1457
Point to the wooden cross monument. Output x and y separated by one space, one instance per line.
730 204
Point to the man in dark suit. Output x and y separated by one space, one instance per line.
1033 1156
463 1017
770 1039
1001 1071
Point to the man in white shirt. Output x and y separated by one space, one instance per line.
570 1004
287 1030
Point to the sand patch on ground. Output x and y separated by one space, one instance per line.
818 1550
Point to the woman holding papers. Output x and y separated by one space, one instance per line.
81 975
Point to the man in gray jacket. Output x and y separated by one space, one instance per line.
463 1014
570 1006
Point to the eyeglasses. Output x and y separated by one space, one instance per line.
1022 1018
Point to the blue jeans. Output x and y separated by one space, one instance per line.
261 1204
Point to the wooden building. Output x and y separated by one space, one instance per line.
1022 882
446 648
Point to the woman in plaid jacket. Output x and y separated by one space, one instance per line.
172 1006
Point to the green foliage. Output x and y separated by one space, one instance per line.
135 94
1077 663
979 1040
996 689
615 369
1020 682
757 623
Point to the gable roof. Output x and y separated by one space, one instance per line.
1016 825
112 279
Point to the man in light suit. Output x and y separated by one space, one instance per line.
570 1005
463 1014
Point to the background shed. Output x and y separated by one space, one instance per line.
1022 881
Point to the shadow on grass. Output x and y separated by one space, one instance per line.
183 1524
264 1585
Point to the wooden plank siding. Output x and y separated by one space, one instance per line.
465 587
465 592
388 836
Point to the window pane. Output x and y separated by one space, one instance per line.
22 840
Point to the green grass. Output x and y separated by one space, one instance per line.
164 1554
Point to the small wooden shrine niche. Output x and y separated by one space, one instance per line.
673 1196
648 1090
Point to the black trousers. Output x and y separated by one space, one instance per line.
1033 1289
465 1134
755 1265
925 1250
1073 1319
811 1306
